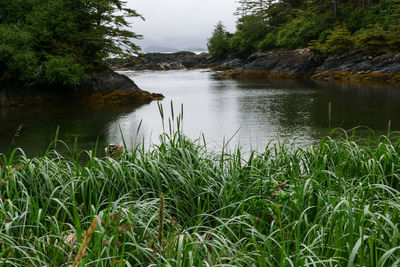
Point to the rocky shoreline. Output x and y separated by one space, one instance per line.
293 64
103 89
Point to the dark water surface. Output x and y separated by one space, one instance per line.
257 112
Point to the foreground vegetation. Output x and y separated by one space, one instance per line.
179 204
328 27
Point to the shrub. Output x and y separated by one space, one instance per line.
298 32
250 31
324 35
64 70
17 57
268 43
376 40
339 42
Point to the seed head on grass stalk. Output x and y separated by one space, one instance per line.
85 242
56 137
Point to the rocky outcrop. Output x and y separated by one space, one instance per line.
359 67
293 64
281 65
105 88
296 61
352 67
169 61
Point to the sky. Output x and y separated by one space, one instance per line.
181 23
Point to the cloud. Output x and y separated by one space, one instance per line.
192 19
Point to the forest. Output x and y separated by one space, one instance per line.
328 27
61 42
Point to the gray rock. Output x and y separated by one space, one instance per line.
100 85
359 62
287 61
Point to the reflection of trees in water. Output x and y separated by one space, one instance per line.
355 106
272 110
296 109
40 124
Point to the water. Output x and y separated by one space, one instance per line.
247 113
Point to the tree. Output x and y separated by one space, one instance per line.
257 8
218 44
54 41
250 31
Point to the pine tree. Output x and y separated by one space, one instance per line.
218 44
53 41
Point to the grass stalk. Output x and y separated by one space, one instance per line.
85 242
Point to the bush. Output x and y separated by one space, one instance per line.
376 40
339 42
250 31
240 46
64 70
15 54
324 35
298 32
268 43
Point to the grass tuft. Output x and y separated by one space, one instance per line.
335 204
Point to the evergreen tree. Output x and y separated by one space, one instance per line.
371 26
54 41
218 44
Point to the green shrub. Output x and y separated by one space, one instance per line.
324 35
376 40
298 32
268 43
315 46
250 31
339 42
64 70
16 54
241 46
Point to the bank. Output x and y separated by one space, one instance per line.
291 64
102 89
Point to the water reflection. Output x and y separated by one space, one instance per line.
33 129
257 112
263 111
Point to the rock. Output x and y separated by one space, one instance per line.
359 62
302 60
292 64
358 67
303 63
107 81
114 151
229 64
166 61
104 89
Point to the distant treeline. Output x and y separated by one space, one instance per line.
331 27
61 42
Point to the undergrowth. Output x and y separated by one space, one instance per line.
179 204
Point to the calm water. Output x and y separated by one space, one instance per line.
253 113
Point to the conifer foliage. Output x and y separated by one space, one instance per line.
62 41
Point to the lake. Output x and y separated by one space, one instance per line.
248 113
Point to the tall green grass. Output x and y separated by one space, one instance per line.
336 204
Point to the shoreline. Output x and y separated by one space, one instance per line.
292 64
102 90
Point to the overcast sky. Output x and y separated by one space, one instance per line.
190 20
